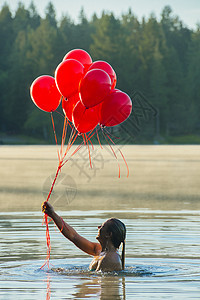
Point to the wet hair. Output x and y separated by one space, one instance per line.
118 230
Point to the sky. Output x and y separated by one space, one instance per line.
187 10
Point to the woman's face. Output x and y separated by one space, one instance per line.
102 231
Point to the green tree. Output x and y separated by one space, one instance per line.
174 62
66 40
158 89
129 65
51 15
15 112
34 16
83 32
6 38
192 81
21 19
106 39
43 59
177 35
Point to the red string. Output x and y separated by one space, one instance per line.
113 152
52 186
48 243
48 295
90 141
70 142
99 139
88 150
45 219
63 136
121 155
76 150
54 130
90 135
125 162
86 144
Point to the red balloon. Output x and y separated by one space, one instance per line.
45 94
115 109
81 55
94 87
85 119
68 75
69 104
103 65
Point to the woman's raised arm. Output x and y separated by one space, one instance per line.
70 233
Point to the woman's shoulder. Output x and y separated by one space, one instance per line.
110 261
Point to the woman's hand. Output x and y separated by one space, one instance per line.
47 208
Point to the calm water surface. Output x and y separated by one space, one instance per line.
162 257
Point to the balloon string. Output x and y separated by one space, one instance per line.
70 142
72 139
63 117
90 141
116 137
45 216
112 151
46 219
69 147
52 186
125 162
59 113
48 295
76 150
90 135
121 155
98 139
47 223
66 126
48 243
86 144
88 150
63 137
54 130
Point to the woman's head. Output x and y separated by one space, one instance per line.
114 230
117 231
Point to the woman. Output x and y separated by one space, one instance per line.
110 235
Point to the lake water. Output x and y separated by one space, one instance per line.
159 203
162 257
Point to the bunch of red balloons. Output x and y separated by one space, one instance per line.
87 91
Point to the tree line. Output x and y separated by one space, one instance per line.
158 58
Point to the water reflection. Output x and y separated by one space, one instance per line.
48 295
102 287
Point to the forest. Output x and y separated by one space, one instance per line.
157 62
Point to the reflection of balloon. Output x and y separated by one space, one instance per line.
115 108
85 119
103 65
94 87
69 104
81 55
68 75
45 94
